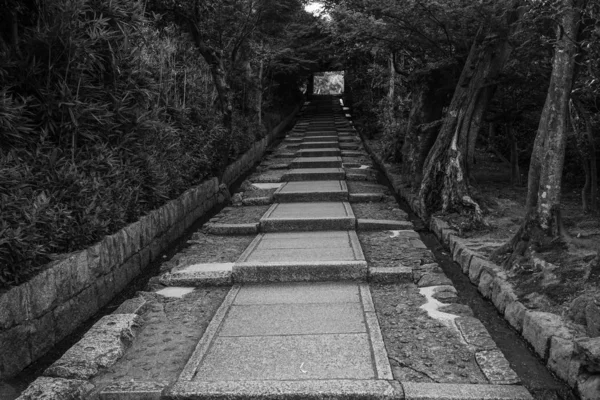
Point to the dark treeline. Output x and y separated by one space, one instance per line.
519 77
110 108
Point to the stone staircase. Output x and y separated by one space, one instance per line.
300 321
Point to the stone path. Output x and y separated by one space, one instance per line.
299 321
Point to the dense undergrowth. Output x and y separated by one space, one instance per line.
105 114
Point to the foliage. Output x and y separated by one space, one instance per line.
106 112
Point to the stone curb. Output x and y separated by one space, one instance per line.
549 334
102 346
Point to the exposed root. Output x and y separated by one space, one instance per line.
404 365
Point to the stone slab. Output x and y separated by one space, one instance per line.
57 389
298 293
304 247
332 138
99 348
320 145
316 162
196 275
270 389
306 191
293 319
449 391
318 216
301 271
314 174
320 152
320 132
336 356
133 391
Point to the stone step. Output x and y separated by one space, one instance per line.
332 138
316 162
318 216
320 145
314 174
291 341
341 389
320 132
305 191
302 256
321 152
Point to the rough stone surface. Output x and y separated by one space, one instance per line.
485 284
562 360
304 389
100 347
589 387
588 350
496 368
539 327
502 294
44 388
475 333
514 314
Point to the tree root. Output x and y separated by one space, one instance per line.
404 365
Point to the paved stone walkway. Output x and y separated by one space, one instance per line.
300 321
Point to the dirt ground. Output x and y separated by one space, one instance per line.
570 271
386 209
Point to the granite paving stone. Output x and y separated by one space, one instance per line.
297 357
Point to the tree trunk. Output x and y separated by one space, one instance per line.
429 96
542 226
445 184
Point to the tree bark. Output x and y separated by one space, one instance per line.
445 184
542 226
429 96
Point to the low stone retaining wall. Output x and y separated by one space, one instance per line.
571 355
36 315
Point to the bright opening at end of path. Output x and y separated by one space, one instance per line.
329 82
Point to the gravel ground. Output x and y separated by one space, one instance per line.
240 215
386 209
204 248
420 348
270 175
382 249
172 328
250 194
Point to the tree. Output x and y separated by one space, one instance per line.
445 184
542 225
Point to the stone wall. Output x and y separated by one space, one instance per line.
566 351
37 314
